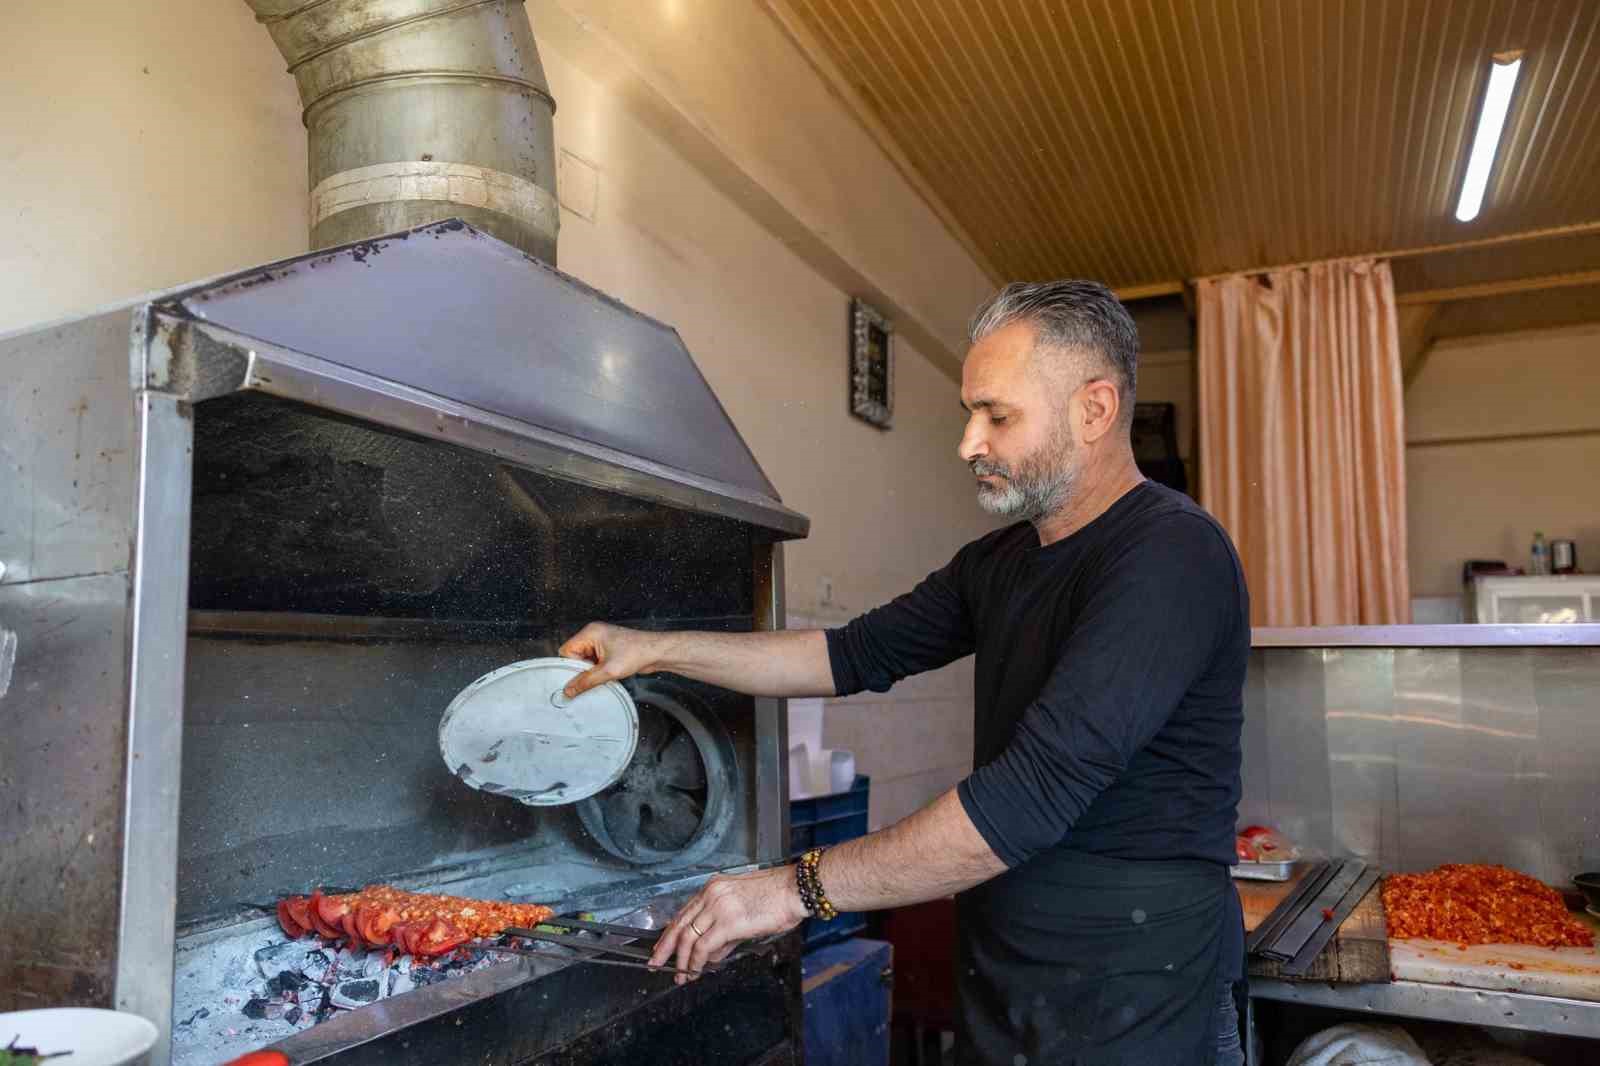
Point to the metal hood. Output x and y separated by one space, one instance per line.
567 377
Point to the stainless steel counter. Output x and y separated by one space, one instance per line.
1411 746
1429 636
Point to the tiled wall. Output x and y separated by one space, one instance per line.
1413 757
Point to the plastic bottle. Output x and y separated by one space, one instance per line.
1539 556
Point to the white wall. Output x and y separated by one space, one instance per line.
141 146
115 181
1502 439
724 83
770 335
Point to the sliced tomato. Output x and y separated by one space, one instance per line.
1268 843
376 925
300 911
322 928
418 941
440 937
291 928
318 923
347 922
332 908
404 936
1245 849
421 941
355 922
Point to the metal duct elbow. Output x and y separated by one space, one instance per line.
419 110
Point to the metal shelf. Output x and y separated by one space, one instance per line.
1444 1003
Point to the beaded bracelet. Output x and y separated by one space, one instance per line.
809 882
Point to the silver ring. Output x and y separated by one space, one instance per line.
696 928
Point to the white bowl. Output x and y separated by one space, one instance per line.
95 1037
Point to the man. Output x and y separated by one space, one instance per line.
1089 849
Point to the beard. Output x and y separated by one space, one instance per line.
1036 486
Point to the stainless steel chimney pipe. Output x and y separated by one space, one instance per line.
419 110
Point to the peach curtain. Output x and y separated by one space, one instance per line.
1302 440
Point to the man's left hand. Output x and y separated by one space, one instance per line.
725 912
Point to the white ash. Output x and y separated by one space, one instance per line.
358 992
241 989
400 981
318 964
288 956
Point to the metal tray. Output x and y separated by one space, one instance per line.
1265 871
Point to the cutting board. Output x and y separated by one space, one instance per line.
1570 972
1573 973
1362 952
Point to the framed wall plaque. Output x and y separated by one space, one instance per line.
871 365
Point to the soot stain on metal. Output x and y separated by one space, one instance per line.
525 795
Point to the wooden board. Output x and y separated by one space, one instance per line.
1358 952
1258 898
1573 973
1570 972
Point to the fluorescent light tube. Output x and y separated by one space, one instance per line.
1491 121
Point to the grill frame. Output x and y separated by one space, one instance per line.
122 385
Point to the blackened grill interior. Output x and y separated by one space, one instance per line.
295 510
345 584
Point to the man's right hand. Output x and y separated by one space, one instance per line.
617 653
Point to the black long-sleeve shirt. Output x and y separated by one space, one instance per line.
1109 704
1109 679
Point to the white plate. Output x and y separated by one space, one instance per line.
95 1037
514 733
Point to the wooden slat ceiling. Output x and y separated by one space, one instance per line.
1146 142
1542 309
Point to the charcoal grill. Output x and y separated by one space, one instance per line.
257 533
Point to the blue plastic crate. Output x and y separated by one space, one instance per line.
823 820
846 804
847 1000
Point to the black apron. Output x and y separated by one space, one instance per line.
1075 959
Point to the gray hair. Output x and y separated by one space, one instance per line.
1070 314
